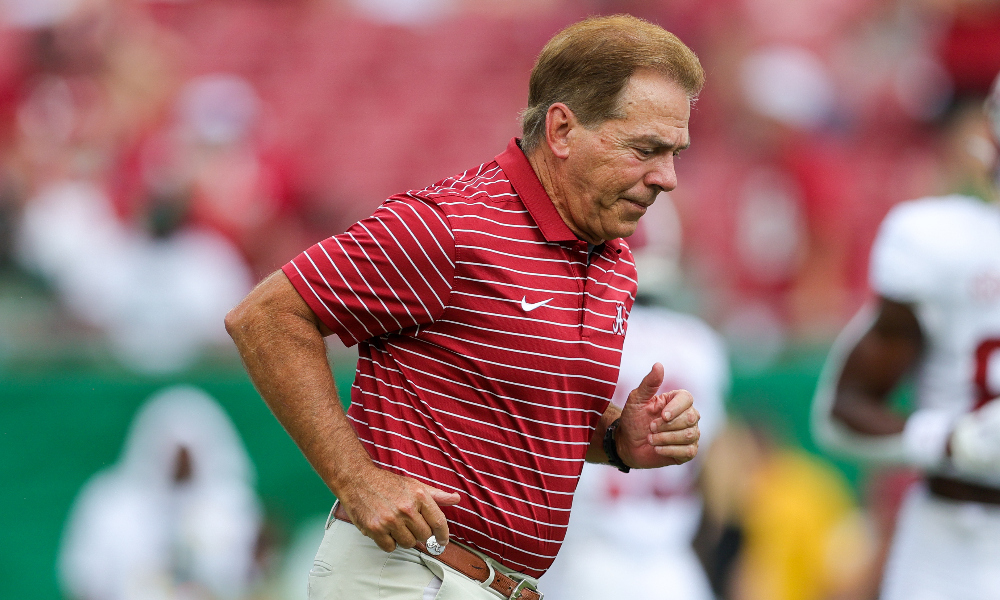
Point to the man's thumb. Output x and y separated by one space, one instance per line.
650 383
445 498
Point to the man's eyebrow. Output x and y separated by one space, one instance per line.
660 143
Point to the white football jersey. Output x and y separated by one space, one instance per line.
629 506
942 255
630 532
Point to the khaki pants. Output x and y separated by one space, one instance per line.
349 566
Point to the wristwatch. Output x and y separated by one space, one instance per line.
611 448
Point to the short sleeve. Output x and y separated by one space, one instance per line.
388 272
902 264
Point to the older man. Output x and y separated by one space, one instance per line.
490 311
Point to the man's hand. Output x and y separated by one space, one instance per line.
975 441
281 342
395 510
657 430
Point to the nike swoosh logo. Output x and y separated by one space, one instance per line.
530 307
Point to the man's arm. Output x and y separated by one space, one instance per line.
281 342
926 437
875 366
655 430
851 410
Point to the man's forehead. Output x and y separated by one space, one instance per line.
655 100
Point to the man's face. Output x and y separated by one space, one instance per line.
614 172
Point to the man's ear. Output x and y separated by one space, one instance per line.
559 121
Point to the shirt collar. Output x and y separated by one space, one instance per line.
525 182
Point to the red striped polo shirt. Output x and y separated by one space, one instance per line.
489 347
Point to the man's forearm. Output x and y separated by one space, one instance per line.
285 355
874 368
866 414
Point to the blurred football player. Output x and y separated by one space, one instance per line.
631 532
935 267
176 518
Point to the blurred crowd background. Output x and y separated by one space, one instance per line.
157 158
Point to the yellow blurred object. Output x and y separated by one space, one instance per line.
804 537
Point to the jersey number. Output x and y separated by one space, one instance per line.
987 364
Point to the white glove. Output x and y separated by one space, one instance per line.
975 441
925 437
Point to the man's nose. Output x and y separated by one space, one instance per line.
662 174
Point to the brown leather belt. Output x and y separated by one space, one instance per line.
963 491
470 565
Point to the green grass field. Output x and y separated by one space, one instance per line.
59 425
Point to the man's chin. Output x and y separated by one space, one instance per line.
626 229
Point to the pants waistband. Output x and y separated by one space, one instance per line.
472 565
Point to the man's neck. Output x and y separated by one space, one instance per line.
549 173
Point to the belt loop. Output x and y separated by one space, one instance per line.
492 576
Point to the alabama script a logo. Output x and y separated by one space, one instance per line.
618 327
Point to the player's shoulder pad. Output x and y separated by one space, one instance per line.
921 243
672 327
936 227
688 326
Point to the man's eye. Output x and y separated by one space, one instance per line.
645 152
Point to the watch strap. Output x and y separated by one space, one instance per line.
611 448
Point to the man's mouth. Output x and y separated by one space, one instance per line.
638 203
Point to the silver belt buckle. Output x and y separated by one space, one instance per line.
522 585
